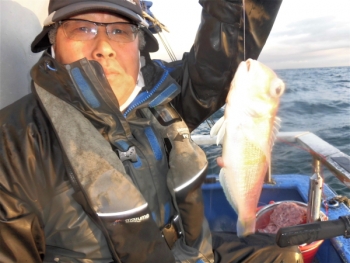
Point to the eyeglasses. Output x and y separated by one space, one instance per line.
83 30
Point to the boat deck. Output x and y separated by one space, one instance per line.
295 187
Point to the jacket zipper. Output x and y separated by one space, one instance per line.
139 100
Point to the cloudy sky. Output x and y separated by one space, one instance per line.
306 34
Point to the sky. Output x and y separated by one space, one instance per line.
306 33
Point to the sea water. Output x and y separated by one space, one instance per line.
316 100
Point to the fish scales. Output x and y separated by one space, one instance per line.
246 132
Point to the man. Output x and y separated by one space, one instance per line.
97 164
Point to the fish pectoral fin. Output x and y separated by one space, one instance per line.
221 134
219 130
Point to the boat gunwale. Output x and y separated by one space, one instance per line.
317 147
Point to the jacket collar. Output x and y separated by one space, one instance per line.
83 85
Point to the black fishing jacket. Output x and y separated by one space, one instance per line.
51 209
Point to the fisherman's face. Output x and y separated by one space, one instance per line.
120 61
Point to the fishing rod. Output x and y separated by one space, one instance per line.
156 27
308 233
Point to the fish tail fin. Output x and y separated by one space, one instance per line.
245 226
219 130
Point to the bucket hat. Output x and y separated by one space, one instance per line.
63 9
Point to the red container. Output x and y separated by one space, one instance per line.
309 250
263 218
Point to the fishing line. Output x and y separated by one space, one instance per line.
243 30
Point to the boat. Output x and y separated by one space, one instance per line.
220 215
292 187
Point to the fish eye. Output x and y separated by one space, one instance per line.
277 88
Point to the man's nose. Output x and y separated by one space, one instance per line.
103 47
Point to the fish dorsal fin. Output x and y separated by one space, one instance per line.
275 129
267 149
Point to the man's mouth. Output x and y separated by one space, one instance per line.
110 72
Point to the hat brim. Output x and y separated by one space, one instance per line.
83 7
42 42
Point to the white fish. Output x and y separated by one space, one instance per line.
247 132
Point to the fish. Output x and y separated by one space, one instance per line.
247 132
